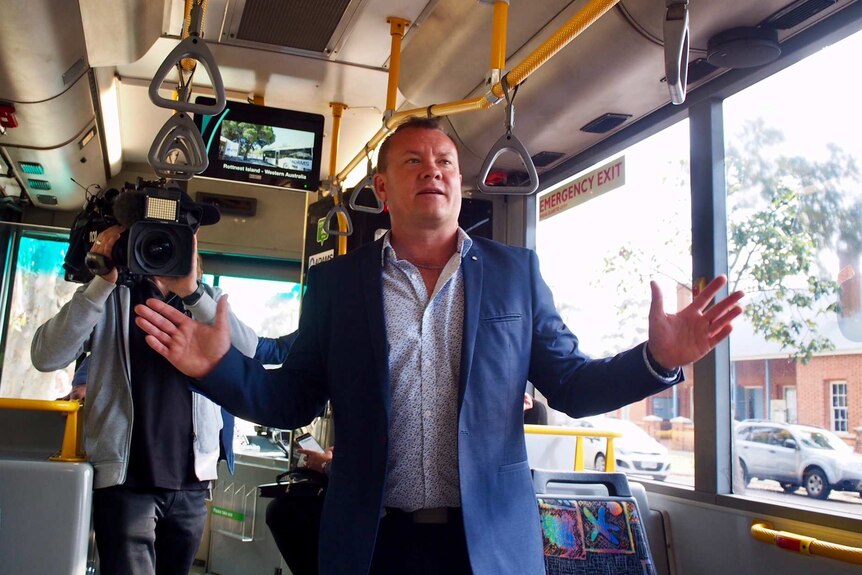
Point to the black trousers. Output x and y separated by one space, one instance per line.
144 532
405 547
295 525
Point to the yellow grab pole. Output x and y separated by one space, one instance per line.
337 110
72 447
397 28
498 34
447 109
568 32
579 433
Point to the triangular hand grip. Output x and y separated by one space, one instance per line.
676 49
196 48
367 182
331 216
178 133
178 171
509 143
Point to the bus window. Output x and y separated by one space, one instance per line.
270 308
38 292
601 237
794 209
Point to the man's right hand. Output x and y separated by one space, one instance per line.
192 347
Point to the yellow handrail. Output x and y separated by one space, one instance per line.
72 449
568 32
763 531
580 433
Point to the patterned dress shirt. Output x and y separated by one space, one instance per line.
424 334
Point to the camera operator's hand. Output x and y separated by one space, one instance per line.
78 392
192 347
104 246
186 285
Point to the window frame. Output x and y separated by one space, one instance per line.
834 409
714 468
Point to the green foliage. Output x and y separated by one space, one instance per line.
784 214
248 136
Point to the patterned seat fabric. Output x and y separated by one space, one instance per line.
591 534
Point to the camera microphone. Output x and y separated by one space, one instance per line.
129 207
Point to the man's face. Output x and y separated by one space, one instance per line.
422 182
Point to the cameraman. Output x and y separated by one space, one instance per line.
154 444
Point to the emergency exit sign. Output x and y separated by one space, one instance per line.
586 186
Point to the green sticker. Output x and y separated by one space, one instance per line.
228 513
322 234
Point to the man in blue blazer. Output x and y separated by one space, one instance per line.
423 341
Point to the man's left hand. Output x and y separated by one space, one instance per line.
677 339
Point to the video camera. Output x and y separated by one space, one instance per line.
160 221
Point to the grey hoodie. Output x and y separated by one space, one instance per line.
89 322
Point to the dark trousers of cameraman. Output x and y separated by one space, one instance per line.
147 531
295 526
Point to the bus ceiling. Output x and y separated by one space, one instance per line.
74 75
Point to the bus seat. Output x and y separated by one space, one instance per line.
45 506
595 523
657 525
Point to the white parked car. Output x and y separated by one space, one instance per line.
795 455
636 452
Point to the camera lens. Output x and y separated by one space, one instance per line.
158 249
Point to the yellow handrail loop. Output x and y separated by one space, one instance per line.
764 531
580 434
72 449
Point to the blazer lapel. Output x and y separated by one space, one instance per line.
471 266
372 293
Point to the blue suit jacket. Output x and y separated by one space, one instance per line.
512 333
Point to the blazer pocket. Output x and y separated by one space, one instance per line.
502 318
512 467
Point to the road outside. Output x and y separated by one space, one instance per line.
682 473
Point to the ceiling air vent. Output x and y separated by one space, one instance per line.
46 199
796 14
32 168
302 26
39 184
543 159
605 123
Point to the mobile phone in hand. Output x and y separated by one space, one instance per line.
307 442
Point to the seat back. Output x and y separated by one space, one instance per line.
591 523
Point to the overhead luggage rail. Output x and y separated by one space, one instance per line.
72 449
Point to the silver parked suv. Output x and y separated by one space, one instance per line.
795 455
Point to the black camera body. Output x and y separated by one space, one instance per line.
158 239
